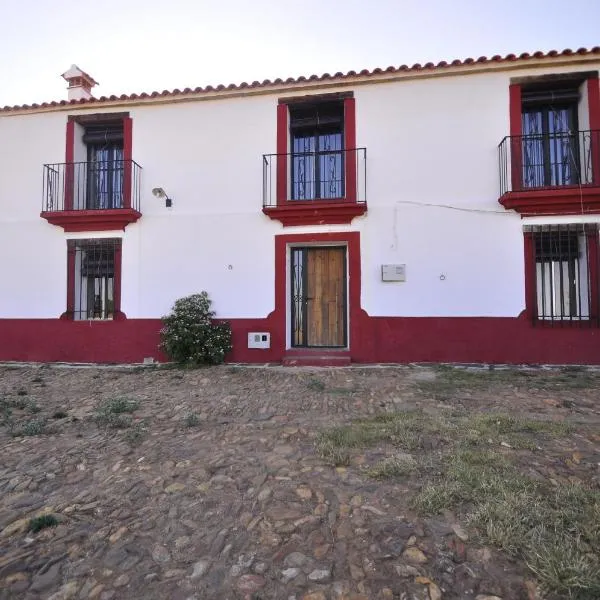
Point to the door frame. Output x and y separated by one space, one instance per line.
280 316
290 313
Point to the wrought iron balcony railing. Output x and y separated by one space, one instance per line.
542 161
99 185
331 175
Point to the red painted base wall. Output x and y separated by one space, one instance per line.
380 339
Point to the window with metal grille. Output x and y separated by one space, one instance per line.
566 266
317 144
94 278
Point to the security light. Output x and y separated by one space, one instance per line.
160 193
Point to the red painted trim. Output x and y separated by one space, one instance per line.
593 88
92 220
119 315
69 157
282 149
383 340
516 129
279 316
97 220
350 144
530 277
68 314
594 101
127 156
570 200
593 249
315 213
56 340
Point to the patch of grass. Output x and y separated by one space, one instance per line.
341 391
21 403
120 405
517 432
404 430
137 433
451 380
392 467
32 407
29 428
116 412
192 420
316 385
17 403
42 522
114 421
338 456
555 531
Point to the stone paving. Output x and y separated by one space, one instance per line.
233 502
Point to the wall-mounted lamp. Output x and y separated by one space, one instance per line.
160 193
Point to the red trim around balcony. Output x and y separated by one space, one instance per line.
92 220
516 129
563 200
593 88
315 212
567 200
103 219
127 157
69 158
334 212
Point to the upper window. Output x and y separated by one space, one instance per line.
104 168
565 258
94 278
317 150
552 142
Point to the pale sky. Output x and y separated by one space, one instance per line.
146 45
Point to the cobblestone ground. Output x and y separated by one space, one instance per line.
215 489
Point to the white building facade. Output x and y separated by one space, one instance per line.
440 213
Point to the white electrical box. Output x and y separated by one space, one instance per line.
259 339
393 272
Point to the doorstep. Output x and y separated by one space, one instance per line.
316 357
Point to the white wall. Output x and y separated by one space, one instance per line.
429 141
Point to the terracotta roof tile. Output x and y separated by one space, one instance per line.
324 77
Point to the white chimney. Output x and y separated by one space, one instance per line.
80 83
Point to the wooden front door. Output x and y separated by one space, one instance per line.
318 300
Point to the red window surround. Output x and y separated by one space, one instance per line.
315 212
593 258
560 200
71 274
95 220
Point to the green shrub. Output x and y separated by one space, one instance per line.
190 335
38 523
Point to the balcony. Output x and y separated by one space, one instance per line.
313 188
92 196
551 174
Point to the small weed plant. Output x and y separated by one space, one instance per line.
42 522
116 412
192 420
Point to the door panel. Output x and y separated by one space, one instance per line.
319 297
